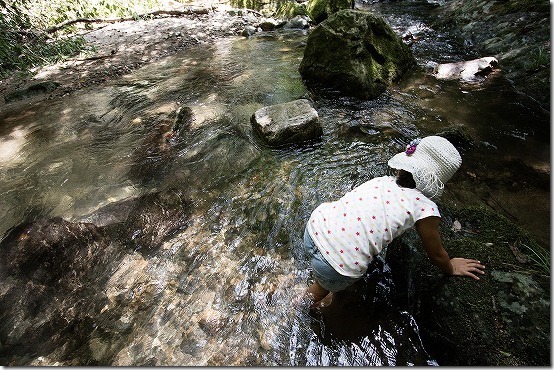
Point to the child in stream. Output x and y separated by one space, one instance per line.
343 236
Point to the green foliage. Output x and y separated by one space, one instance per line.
540 58
290 9
22 47
24 43
538 256
249 4
515 6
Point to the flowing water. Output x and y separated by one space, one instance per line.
227 287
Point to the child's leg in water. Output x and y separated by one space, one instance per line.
317 294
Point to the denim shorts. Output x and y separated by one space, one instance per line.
324 273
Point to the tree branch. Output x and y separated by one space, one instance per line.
115 20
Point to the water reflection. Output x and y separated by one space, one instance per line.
365 326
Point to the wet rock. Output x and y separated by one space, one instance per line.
287 123
458 136
47 269
267 26
475 70
356 53
502 319
249 31
298 22
157 149
40 88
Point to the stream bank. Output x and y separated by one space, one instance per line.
516 32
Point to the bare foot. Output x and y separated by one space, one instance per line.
323 302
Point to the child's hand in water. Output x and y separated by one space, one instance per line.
467 267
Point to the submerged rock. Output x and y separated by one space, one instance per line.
144 222
51 272
40 88
59 277
287 123
45 250
158 147
475 70
356 53
502 319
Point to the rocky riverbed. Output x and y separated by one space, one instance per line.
114 49
87 292
515 32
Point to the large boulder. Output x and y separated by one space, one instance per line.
287 123
502 319
356 53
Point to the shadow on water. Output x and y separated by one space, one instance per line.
364 327
224 283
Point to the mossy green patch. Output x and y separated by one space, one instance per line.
507 311
356 53
319 10
290 9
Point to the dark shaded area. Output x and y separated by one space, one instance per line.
516 32
364 311
54 274
502 319
44 87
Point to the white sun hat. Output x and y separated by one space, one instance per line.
432 161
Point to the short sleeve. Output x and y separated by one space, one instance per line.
425 207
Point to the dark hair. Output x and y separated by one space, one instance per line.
405 179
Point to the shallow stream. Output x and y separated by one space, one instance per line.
227 288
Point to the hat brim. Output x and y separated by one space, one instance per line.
414 165
402 161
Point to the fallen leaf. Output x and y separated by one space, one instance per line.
520 257
456 226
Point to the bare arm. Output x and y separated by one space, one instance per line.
428 230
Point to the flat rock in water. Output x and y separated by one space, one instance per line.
468 71
287 123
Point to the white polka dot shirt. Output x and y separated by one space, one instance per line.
349 232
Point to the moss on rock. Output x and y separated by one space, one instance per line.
356 53
290 9
502 319
319 10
